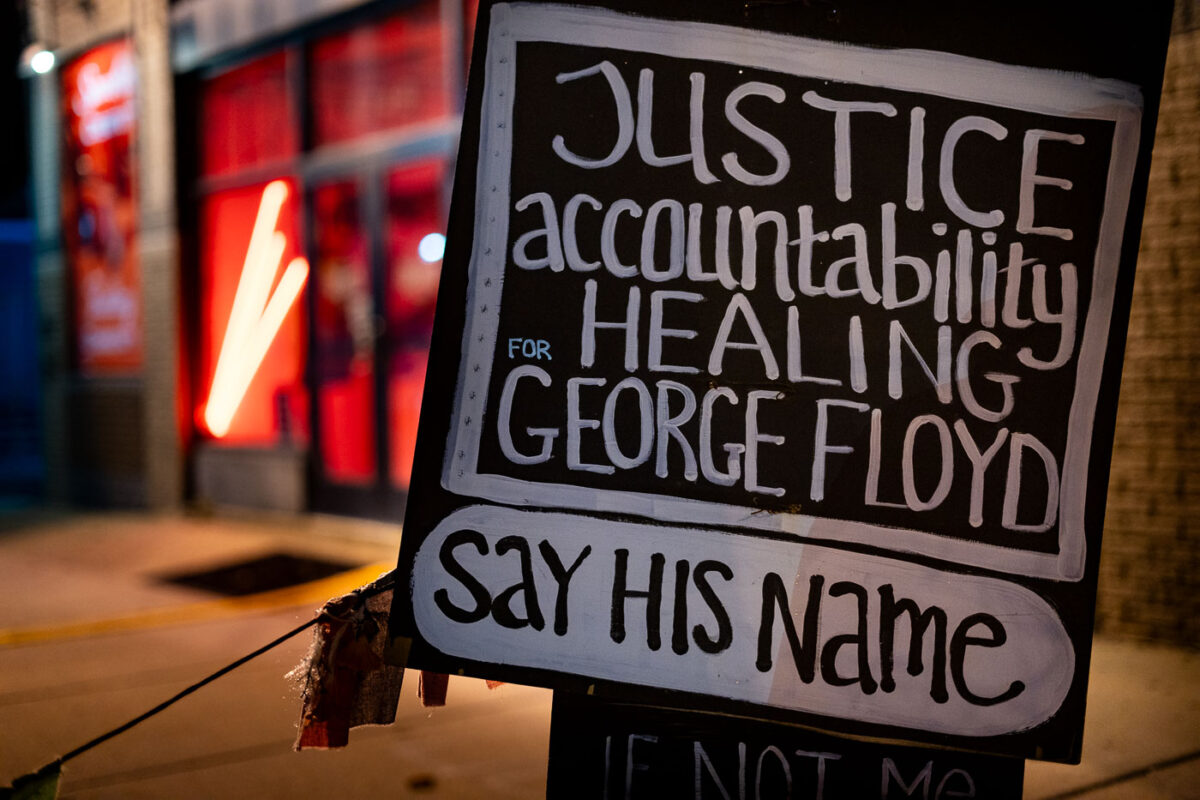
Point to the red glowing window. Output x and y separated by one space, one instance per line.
415 222
344 359
252 337
99 209
470 15
248 117
379 77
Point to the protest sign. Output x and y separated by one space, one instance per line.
603 749
781 370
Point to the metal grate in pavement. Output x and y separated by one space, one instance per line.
262 574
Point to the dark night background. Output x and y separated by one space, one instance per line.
14 147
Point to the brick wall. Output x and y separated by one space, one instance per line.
1150 564
107 445
158 253
74 25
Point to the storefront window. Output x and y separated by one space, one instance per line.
414 262
252 345
345 336
344 369
379 77
249 117
100 211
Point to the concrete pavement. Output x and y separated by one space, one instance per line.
62 683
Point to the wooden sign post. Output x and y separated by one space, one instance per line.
776 360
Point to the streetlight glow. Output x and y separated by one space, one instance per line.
42 62
432 247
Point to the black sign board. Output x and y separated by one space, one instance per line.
606 750
776 359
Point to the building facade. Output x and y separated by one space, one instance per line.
187 363
239 216
1151 553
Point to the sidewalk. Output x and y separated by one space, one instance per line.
233 739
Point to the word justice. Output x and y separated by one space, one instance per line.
634 132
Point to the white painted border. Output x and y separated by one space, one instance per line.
924 72
1038 650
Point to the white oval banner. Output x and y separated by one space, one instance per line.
778 623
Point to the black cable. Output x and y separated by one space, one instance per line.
163 706
383 584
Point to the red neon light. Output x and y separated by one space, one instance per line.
257 312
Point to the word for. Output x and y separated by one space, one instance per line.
529 348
